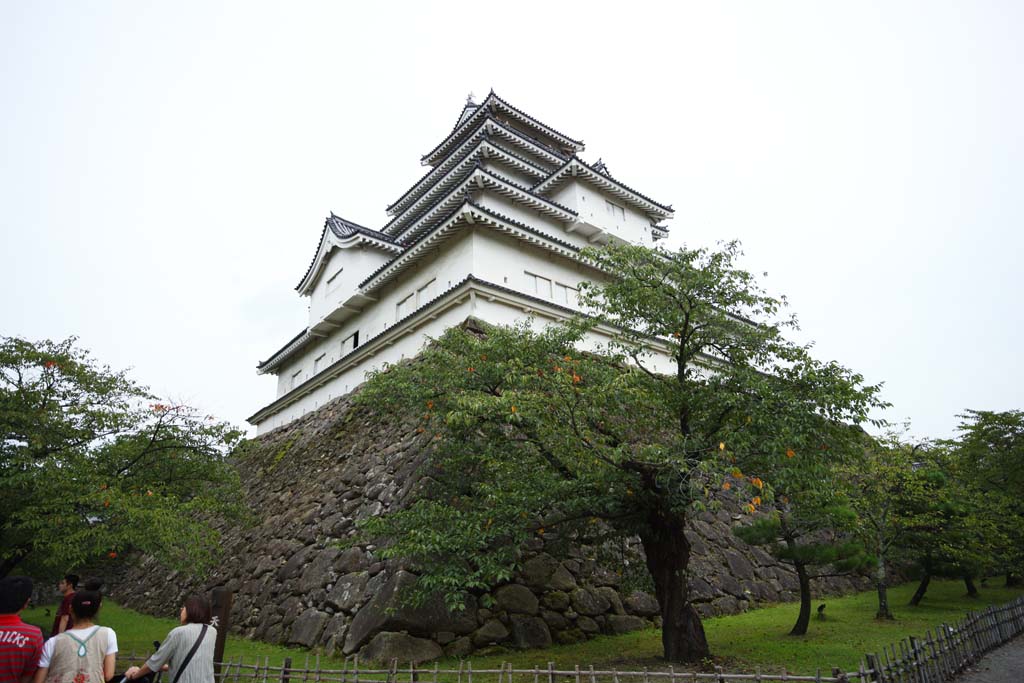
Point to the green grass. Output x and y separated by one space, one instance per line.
740 642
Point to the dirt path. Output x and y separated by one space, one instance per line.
1002 665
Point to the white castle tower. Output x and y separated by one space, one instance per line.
493 230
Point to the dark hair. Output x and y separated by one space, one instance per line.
14 593
197 610
86 604
72 579
93 584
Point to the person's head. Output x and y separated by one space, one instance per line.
85 605
68 584
93 584
15 592
196 610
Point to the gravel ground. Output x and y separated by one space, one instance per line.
1002 665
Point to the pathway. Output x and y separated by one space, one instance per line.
1005 664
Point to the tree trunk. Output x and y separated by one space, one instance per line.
804 619
922 588
972 590
883 595
668 554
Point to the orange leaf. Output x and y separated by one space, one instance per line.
790 453
726 486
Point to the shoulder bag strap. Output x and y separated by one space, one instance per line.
191 653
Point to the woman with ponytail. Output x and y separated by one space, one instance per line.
83 654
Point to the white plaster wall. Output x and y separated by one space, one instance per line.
485 253
589 204
496 311
447 266
357 262
523 214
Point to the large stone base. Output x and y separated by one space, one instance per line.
308 484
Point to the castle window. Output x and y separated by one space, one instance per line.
541 286
615 210
349 343
296 379
564 294
318 363
425 293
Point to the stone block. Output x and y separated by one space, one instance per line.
516 599
386 611
612 596
589 602
348 591
739 566
642 604
460 647
493 631
587 625
556 600
529 632
388 645
621 623
307 628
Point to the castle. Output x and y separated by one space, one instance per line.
493 230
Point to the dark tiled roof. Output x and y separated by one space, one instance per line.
485 107
288 343
606 176
496 178
487 212
522 113
343 229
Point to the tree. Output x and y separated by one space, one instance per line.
990 450
530 434
808 529
92 465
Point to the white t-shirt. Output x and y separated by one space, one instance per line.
81 634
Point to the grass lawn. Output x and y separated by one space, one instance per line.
739 642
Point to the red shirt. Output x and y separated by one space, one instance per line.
65 608
20 647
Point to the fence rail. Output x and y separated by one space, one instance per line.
936 658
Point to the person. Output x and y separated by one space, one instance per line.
195 629
20 643
85 653
62 620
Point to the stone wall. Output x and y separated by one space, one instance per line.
310 482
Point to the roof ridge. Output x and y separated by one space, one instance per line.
624 186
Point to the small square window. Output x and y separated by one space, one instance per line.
616 211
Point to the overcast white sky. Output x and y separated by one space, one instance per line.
165 169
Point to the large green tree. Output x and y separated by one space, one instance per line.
92 465
990 453
531 435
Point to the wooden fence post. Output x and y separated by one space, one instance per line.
286 669
221 603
